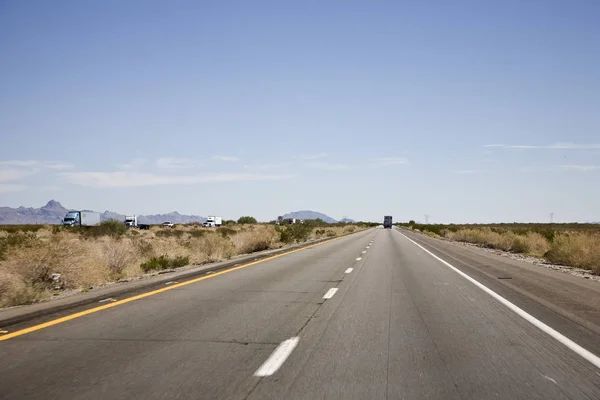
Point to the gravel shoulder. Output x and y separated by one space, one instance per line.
537 261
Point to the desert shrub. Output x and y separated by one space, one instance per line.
538 244
165 233
14 292
262 238
246 220
576 249
16 239
143 247
164 262
330 233
197 233
210 247
78 262
110 228
225 232
349 229
118 256
314 222
295 233
32 228
520 245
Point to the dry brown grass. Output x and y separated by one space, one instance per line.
84 261
532 243
579 249
260 237
575 249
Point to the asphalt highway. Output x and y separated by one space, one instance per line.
374 315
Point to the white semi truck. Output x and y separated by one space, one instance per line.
81 218
132 222
213 221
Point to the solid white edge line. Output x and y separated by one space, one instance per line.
349 270
330 293
277 358
588 355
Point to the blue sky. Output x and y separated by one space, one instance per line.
468 111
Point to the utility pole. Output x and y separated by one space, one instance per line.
426 219
551 217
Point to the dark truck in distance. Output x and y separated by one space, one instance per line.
387 222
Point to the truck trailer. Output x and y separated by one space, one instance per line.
81 218
213 221
387 222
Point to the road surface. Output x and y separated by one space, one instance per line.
367 316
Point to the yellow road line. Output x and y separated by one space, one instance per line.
152 293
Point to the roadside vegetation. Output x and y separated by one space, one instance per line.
41 261
572 245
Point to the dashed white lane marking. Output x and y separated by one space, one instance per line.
277 358
550 379
364 251
358 259
349 270
588 355
105 300
330 293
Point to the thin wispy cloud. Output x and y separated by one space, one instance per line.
176 163
131 179
384 161
536 169
266 167
135 163
555 146
11 188
311 156
584 168
468 171
225 158
37 164
326 166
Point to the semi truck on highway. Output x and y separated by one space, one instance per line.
81 218
387 222
213 221
132 222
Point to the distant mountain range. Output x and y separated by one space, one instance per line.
307 214
53 213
